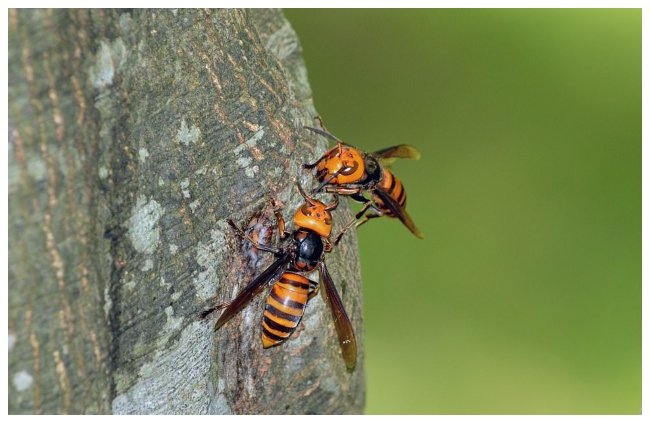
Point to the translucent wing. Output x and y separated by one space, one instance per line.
253 288
341 321
398 211
402 151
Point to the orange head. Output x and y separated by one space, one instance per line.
342 165
315 215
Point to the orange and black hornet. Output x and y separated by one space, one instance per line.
348 171
291 289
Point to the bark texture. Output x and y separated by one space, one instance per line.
133 136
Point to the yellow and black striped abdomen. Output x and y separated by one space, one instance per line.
392 186
284 308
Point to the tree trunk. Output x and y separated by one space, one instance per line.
133 137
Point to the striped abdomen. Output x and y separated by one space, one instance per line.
284 308
391 185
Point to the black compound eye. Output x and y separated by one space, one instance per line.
350 169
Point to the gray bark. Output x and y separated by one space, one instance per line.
133 136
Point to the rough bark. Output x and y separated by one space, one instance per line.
133 136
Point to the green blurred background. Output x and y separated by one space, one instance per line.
525 296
